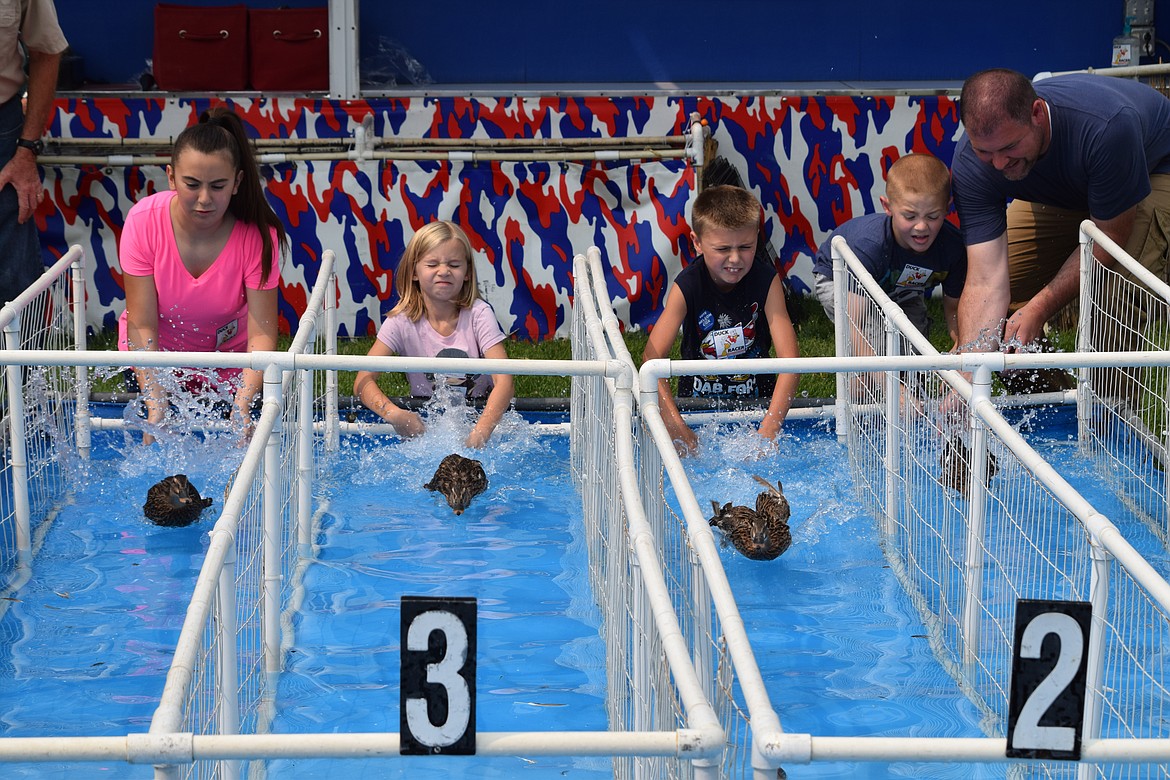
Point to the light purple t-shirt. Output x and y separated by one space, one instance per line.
476 332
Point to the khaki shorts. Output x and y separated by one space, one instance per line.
1041 238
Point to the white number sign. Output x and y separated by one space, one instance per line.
437 701
1047 705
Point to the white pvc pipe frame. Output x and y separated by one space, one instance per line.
606 338
778 747
772 744
896 322
165 747
10 317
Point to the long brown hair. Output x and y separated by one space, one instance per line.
411 303
220 130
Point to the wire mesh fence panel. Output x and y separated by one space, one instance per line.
1124 410
969 539
44 422
640 692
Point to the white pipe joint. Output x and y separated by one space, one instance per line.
621 372
786 748
175 748
272 158
461 156
696 140
701 742
992 361
120 160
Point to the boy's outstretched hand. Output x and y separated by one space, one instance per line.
770 426
686 443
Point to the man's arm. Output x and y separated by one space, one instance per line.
1028 323
21 171
986 295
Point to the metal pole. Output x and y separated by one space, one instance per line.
18 446
344 83
273 569
81 425
976 520
227 682
893 431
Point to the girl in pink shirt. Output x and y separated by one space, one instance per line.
439 314
200 263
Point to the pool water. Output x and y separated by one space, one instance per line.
84 646
518 550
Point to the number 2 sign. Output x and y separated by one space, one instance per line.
1046 710
437 680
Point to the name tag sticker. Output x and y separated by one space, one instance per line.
728 342
914 276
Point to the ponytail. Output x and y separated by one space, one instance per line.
220 130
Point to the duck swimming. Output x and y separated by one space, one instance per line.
459 479
761 534
954 462
174 502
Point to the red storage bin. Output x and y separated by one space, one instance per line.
289 49
203 48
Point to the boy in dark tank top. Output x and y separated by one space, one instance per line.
728 306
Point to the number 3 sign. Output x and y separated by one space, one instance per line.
1046 711
437 680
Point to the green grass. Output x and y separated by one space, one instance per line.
814 333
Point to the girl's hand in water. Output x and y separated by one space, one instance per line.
407 423
244 424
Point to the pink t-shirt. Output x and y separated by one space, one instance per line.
476 332
208 314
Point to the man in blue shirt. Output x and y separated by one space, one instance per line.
1065 149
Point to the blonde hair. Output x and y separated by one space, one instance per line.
410 300
724 206
919 174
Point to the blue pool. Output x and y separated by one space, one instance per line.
84 647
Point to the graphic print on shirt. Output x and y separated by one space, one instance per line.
914 276
728 340
461 383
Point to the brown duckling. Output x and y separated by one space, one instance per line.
772 537
954 462
174 502
761 534
459 479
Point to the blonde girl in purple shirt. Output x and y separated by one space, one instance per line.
439 314
201 262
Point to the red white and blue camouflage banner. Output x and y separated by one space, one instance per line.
812 161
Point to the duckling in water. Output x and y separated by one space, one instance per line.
761 534
954 462
459 479
174 502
